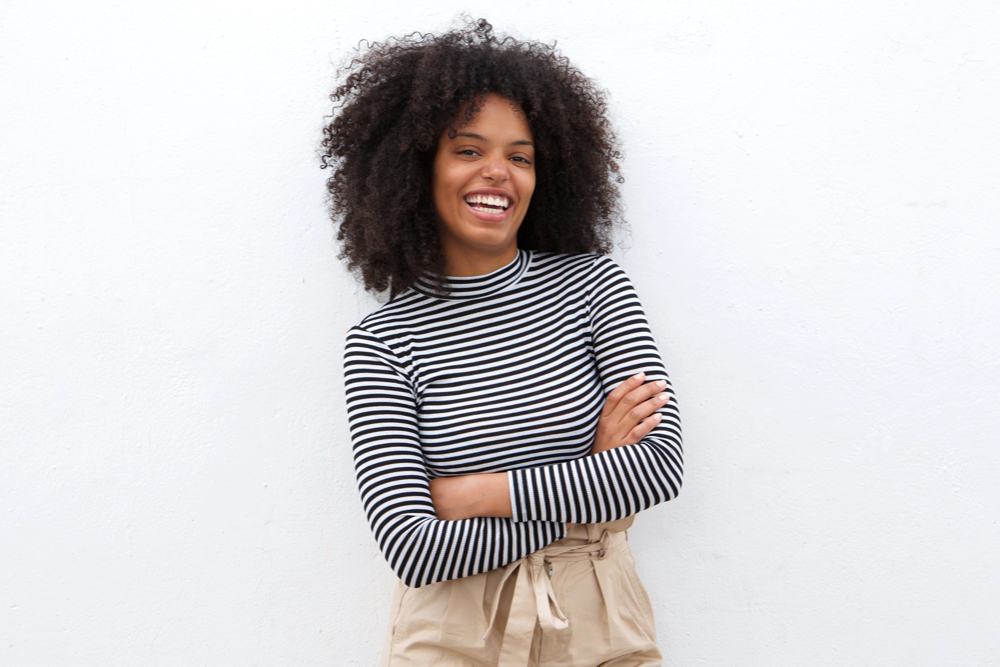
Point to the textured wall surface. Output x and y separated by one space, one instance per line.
813 194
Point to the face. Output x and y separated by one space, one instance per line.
482 181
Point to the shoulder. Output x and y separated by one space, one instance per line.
572 260
397 314
589 270
386 333
576 266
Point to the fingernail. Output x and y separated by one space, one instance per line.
661 383
638 376
664 397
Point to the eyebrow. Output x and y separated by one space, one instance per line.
473 135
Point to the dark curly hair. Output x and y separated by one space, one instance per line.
397 99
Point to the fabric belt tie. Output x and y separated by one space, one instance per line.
533 588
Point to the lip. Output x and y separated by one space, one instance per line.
496 192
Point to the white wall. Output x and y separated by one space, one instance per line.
813 192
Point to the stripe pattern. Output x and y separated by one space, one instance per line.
506 373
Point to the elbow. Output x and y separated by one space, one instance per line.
400 542
409 582
670 472
678 478
406 575
674 479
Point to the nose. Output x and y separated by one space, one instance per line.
495 169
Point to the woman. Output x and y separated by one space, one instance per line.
508 408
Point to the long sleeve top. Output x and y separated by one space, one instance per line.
508 372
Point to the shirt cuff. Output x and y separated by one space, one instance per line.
514 513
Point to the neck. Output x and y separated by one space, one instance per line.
466 264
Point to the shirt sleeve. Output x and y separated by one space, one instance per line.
393 480
619 482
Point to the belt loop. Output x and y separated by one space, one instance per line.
605 539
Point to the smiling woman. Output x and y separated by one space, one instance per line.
509 411
483 179
400 97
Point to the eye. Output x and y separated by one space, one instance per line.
467 151
519 158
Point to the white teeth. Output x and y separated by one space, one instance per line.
489 200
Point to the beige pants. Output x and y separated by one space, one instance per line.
577 602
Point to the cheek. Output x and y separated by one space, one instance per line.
439 193
445 183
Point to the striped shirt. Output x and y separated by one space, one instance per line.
507 373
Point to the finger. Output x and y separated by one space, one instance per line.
643 429
647 408
622 389
640 394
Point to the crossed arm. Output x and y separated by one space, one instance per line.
628 415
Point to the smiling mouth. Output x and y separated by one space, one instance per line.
488 203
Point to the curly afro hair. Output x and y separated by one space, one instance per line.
397 99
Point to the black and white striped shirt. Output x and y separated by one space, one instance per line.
507 373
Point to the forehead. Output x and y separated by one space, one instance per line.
491 114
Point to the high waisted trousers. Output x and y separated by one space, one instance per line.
575 603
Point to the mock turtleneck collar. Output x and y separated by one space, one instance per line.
473 287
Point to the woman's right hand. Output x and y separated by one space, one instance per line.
629 413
